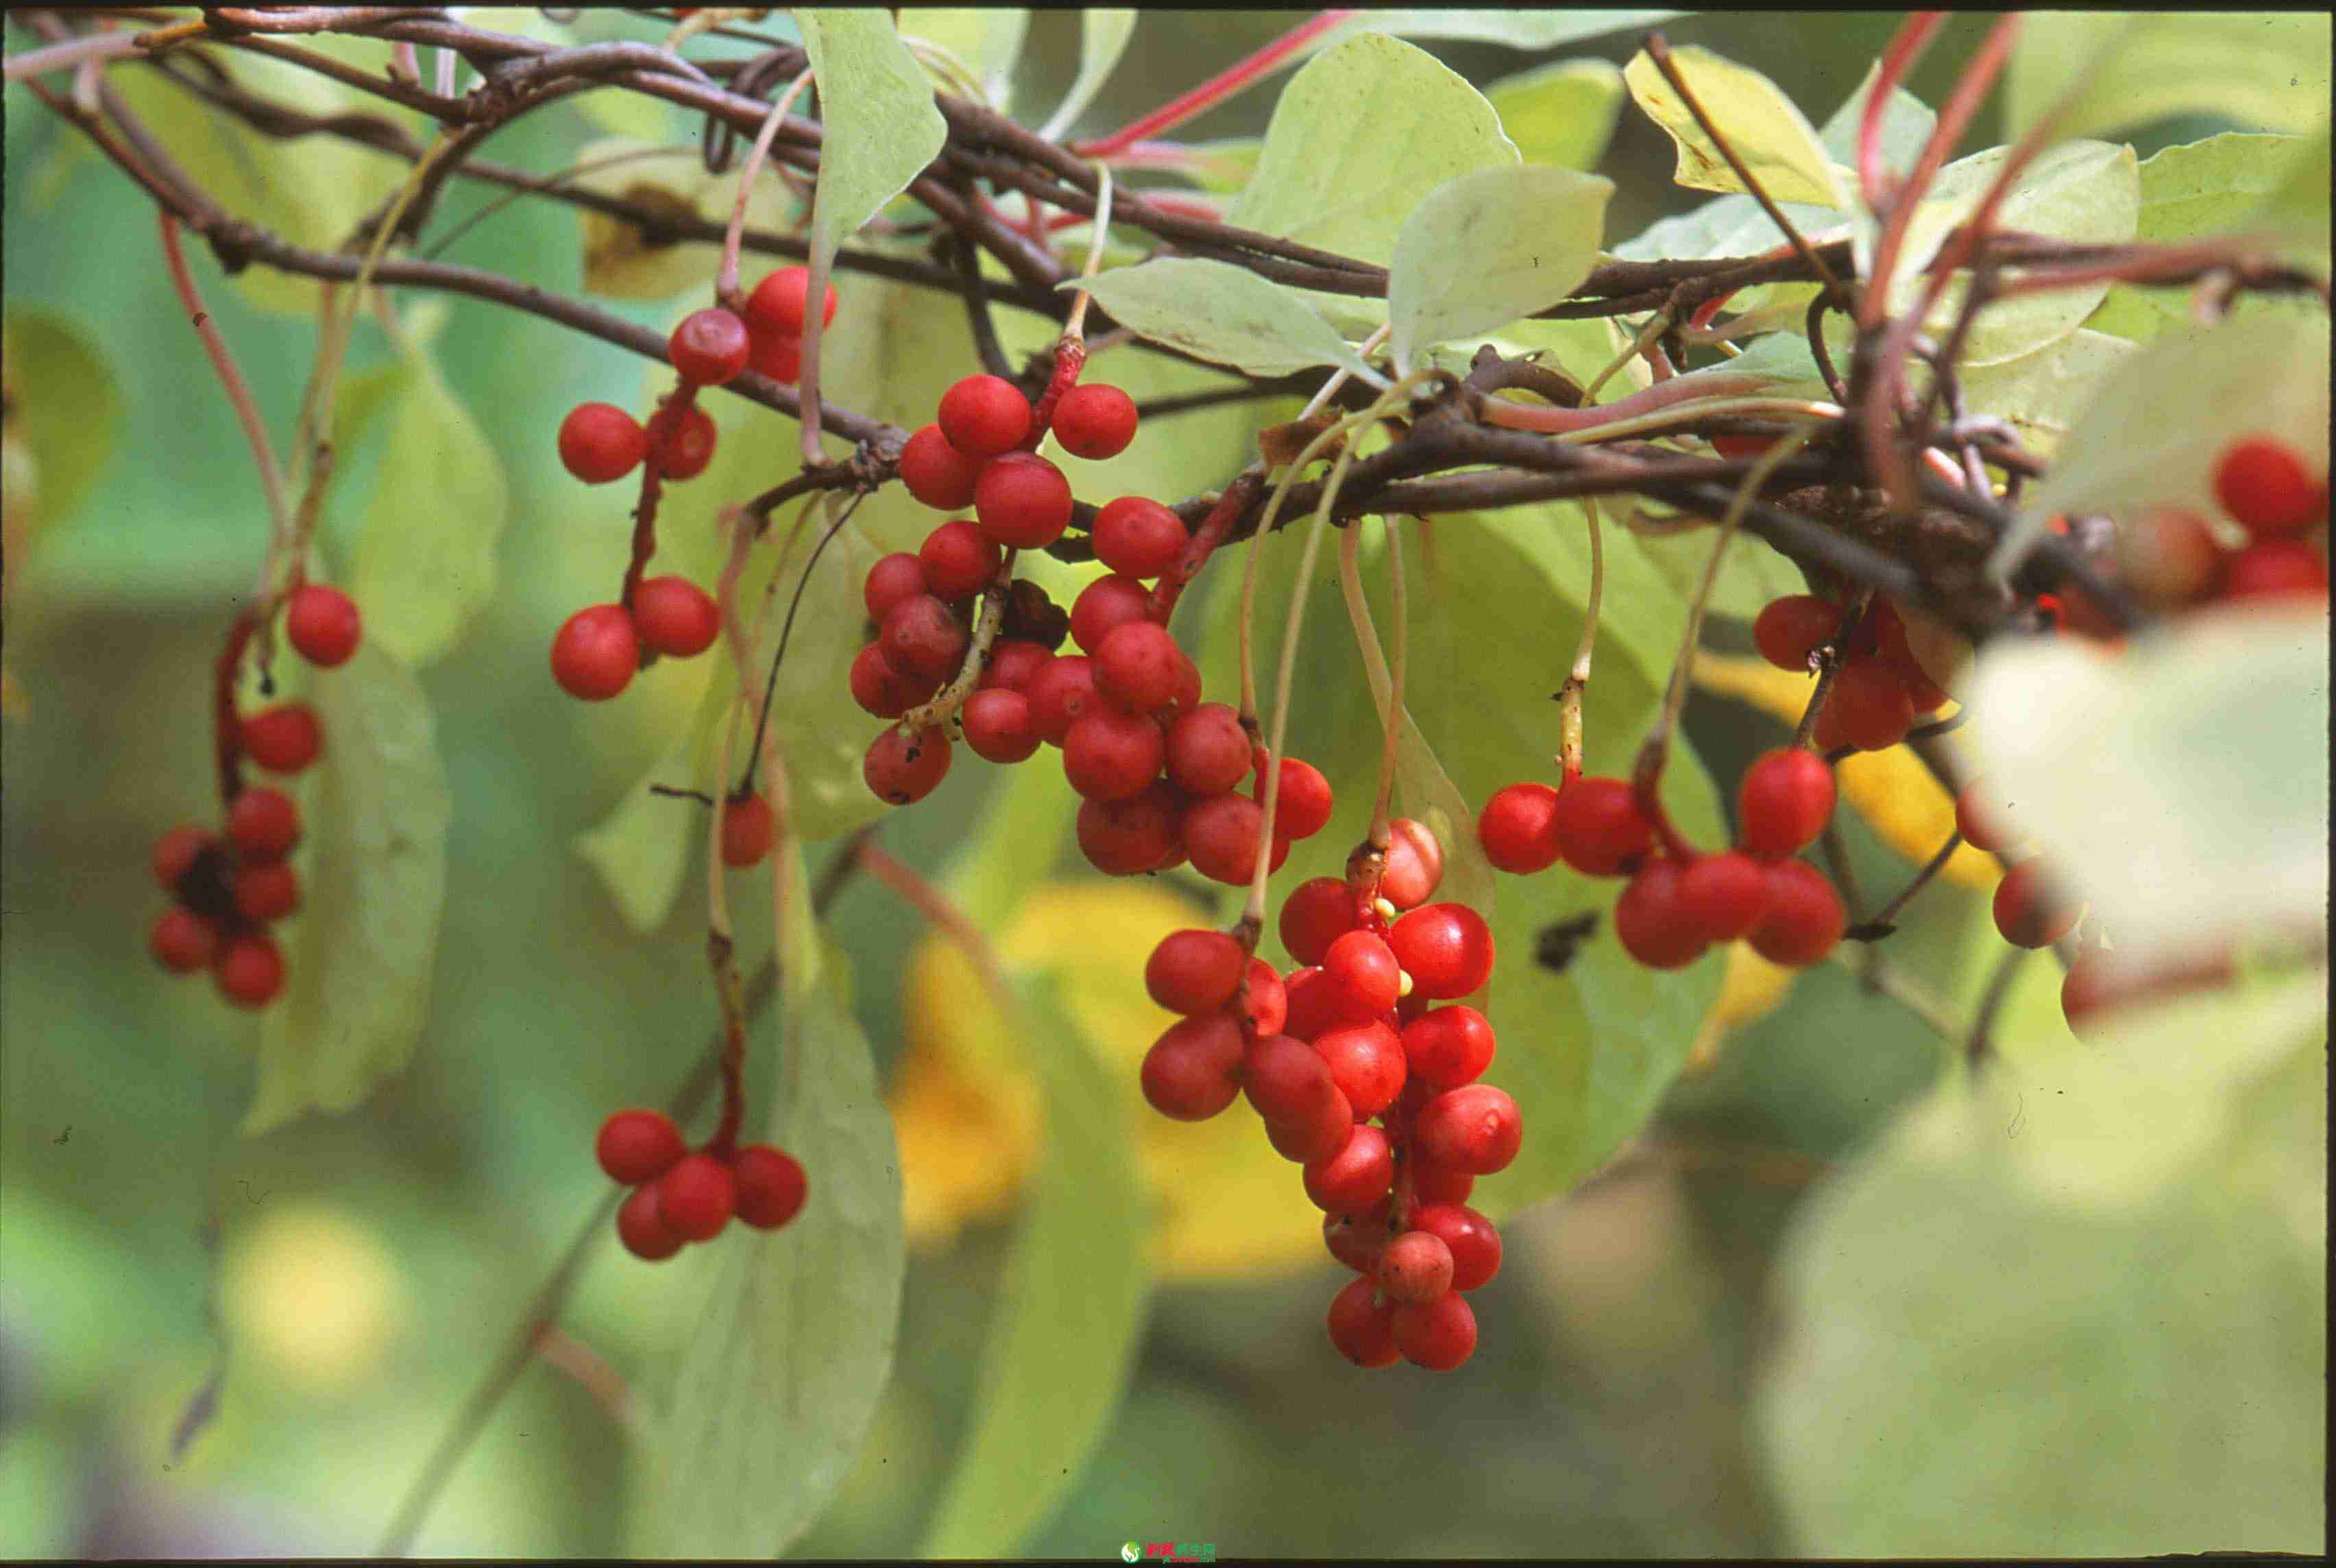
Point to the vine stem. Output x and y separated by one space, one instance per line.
1830 667
1374 662
1905 47
1242 73
1547 419
239 391
1577 679
75 52
1657 324
987 622
726 278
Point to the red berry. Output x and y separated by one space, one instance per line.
266 892
884 691
1061 693
2097 987
769 1185
936 472
1649 923
1313 1005
176 851
1302 809
904 769
2030 911
1599 828
263 824
1474 1128
249 970
1416 1267
1110 753
891 581
1475 1244
922 637
1106 605
1447 1047
1264 999
285 738
1439 1335
642 1229
996 726
1220 833
1784 802
690 445
1435 1183
1366 1063
594 653
1094 420
1284 1078
709 346
600 443
1445 949
1357 1241
1316 913
1137 664
1515 827
1361 1329
182 942
322 625
1984 818
674 616
1193 1070
1013 661
638 1145
1415 865
1124 837
749 828
2171 557
1316 1137
1363 968
1722 897
1804 916
1870 704
1023 501
1188 685
1195 972
2262 481
959 561
984 415
780 358
1789 629
1741 447
1208 751
775 309
696 1197
1136 536
1355 1177
2276 569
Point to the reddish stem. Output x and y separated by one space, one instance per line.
226 727
1212 534
1070 358
662 426
1216 89
1906 46
1646 793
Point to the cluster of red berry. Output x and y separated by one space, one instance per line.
226 888
1879 689
597 650
680 1196
1345 1038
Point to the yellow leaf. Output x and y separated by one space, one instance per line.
1891 790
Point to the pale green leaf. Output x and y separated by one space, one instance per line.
623 261
882 128
1070 1311
1104 32
987 38
1561 114
64 407
2264 71
1344 180
1776 144
1225 166
779 1380
1906 125
2150 434
424 562
2224 184
2076 1310
373 866
1490 247
2299 208
2181 786
1535 29
2040 393
640 850
1221 313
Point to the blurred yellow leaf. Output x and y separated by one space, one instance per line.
1749 990
1891 790
314 1295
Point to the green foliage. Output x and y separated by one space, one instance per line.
1535 29
2265 70
64 409
2217 186
1777 143
622 261
1070 1305
878 119
360 953
640 850
2041 391
1222 313
1104 32
2078 1308
1561 114
988 39
1488 247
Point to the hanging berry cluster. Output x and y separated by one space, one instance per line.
228 887
680 1196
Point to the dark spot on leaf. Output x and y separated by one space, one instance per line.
1557 944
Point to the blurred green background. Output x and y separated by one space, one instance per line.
367 1266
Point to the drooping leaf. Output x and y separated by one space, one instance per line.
1490 247
2215 735
1221 313
1069 1311
2115 1257
1561 114
2266 71
1104 32
878 115
988 38
641 848
358 956
1775 143
62 407
2150 433
780 1379
2220 185
625 262
1346 183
